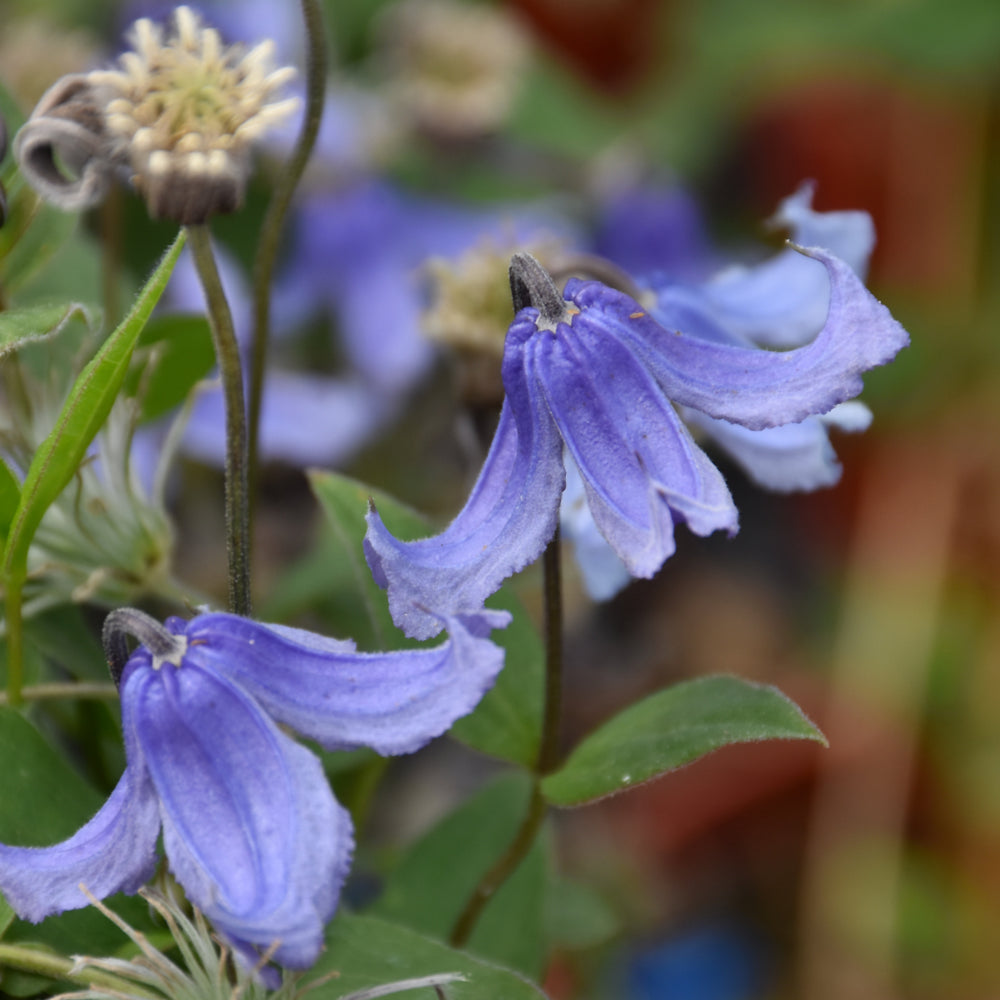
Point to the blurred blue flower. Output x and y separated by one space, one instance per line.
592 370
250 827
356 259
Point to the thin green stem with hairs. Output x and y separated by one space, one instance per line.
547 761
267 248
228 355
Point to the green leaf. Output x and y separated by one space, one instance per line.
672 728
508 721
180 355
10 494
430 886
34 323
576 916
33 233
82 415
363 952
42 799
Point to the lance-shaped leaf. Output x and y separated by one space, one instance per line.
81 417
672 728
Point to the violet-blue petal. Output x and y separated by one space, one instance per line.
251 829
392 702
787 458
782 302
510 515
603 572
753 387
656 230
114 852
639 465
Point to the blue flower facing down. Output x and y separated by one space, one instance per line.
250 827
590 370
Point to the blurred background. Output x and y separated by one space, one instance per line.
868 870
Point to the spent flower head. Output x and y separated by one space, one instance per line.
177 118
454 69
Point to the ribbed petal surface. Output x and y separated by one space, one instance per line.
114 852
753 387
510 515
251 829
393 702
639 466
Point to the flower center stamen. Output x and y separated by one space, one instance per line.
164 646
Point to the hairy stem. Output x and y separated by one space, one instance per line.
548 756
502 870
267 248
228 355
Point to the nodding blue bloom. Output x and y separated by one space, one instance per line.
589 370
250 827
658 236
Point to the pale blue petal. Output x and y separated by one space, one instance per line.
114 852
392 702
510 515
783 301
758 388
640 468
603 573
251 829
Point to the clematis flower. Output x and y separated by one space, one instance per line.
589 369
250 827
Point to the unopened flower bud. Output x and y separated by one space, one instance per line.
177 118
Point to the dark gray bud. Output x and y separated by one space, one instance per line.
531 285
123 622
63 149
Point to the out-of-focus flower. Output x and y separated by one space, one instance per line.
177 119
358 262
589 369
33 49
250 827
469 311
453 70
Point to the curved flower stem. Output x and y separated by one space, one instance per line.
548 756
503 868
598 269
267 248
73 689
228 355
548 753
44 963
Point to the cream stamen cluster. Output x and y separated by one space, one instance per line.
455 69
184 109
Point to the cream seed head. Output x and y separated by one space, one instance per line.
176 117
194 107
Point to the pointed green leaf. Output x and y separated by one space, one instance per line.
82 415
672 728
507 723
362 952
429 888
34 323
10 494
